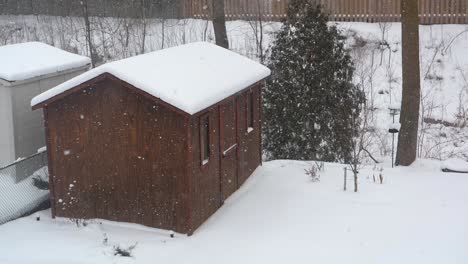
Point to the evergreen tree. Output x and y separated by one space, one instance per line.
310 101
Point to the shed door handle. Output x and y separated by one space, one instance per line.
229 150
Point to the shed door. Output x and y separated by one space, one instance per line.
228 147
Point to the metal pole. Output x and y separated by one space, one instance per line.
344 189
393 147
393 139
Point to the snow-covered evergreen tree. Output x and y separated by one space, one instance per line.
310 101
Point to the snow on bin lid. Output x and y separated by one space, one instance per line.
24 61
190 77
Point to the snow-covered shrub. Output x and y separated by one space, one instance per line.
310 100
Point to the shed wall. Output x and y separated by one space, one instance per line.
206 181
250 142
206 196
7 153
117 155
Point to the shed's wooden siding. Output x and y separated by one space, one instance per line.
206 181
206 197
117 155
250 143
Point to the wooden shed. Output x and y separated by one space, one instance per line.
160 139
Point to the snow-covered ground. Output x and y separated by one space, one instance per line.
419 215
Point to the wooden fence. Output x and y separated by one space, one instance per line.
430 11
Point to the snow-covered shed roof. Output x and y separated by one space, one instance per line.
24 61
190 77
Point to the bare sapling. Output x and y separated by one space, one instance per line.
384 45
257 25
89 33
313 173
361 142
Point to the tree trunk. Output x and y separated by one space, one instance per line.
89 37
409 118
144 21
219 24
355 181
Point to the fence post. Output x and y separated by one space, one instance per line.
345 180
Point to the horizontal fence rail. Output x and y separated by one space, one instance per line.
24 187
430 11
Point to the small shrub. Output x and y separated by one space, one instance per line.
124 251
313 173
105 239
79 222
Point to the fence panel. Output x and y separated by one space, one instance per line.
24 187
431 11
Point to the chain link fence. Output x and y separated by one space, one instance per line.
24 187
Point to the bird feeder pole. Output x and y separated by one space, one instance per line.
394 110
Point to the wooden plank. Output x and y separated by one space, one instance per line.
341 10
354 10
465 12
443 12
438 12
335 9
445 5
227 9
455 9
378 11
330 4
366 11
450 10
447 15
461 12
236 8
452 4
349 10
430 11
423 11
398 9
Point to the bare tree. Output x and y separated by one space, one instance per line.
257 27
361 142
144 22
219 24
409 118
89 37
